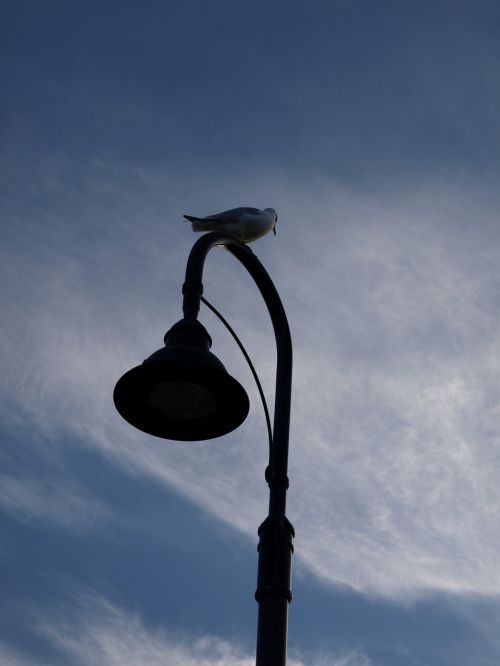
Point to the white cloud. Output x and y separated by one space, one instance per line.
9 657
97 632
64 503
111 637
393 305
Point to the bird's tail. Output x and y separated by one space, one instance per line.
201 224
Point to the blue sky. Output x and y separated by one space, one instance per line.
372 128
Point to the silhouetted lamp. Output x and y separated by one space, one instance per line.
182 391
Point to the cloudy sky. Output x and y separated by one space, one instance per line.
373 128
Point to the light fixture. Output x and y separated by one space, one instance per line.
182 391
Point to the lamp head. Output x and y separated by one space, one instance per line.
182 391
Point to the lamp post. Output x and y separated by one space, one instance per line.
183 392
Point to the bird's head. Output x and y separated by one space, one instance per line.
275 215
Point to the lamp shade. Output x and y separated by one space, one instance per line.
182 391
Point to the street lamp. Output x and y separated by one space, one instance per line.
183 392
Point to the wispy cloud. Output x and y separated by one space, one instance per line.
393 305
97 632
109 636
10 657
63 503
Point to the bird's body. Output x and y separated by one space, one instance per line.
245 223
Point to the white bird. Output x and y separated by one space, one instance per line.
246 224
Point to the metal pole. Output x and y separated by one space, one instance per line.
276 532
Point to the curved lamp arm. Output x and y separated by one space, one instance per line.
192 290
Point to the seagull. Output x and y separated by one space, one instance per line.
246 224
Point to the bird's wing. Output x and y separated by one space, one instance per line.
234 213
212 218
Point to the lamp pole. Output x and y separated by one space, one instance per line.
276 532
184 392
